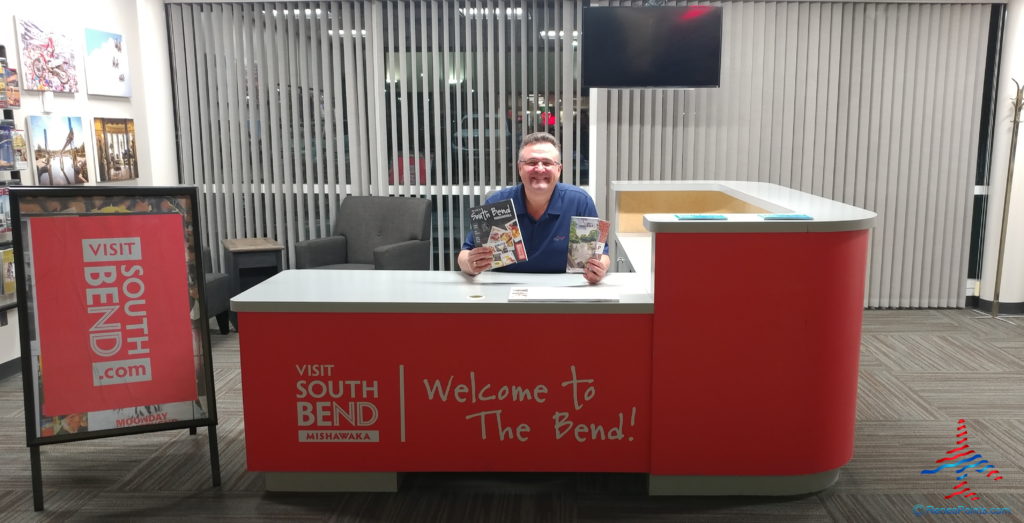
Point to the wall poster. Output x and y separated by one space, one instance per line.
58 150
47 58
106 64
115 149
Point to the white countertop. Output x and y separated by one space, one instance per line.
827 215
433 291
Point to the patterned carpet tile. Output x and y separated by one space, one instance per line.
907 507
58 504
868 360
1006 437
882 397
982 326
449 506
889 457
940 353
702 508
989 395
901 321
209 504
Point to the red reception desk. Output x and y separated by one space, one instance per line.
725 364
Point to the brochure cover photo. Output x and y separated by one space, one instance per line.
13 88
495 225
587 238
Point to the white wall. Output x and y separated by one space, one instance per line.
142 24
145 31
1012 288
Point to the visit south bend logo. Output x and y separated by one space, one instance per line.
963 459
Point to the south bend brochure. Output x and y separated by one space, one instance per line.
587 238
495 225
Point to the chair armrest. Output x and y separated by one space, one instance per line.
310 254
407 255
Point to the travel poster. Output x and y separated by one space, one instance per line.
112 297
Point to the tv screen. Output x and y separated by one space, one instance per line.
652 46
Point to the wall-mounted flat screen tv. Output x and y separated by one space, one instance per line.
652 46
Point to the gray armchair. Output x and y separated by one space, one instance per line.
373 232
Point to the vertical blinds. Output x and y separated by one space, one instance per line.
875 105
284 108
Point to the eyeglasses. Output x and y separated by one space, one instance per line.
534 162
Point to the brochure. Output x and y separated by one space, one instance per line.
5 214
19 142
584 293
6 145
7 273
684 217
587 238
785 216
495 225
13 88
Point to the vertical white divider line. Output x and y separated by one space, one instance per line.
336 132
247 70
374 74
302 129
236 122
401 402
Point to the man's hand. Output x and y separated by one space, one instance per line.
475 261
596 268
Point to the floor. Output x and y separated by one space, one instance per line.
921 371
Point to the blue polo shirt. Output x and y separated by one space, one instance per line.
546 239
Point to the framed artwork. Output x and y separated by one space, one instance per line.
115 149
58 150
106 64
47 58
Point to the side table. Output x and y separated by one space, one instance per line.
249 261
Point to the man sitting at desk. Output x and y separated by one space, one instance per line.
544 208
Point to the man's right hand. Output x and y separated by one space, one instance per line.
476 260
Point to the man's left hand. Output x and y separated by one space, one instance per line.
595 270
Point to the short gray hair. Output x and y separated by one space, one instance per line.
541 137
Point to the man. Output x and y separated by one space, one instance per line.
544 208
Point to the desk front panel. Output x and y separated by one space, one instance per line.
446 392
766 330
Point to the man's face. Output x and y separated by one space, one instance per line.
539 169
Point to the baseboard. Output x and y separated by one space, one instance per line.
1004 307
10 368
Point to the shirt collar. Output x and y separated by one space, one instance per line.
554 205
